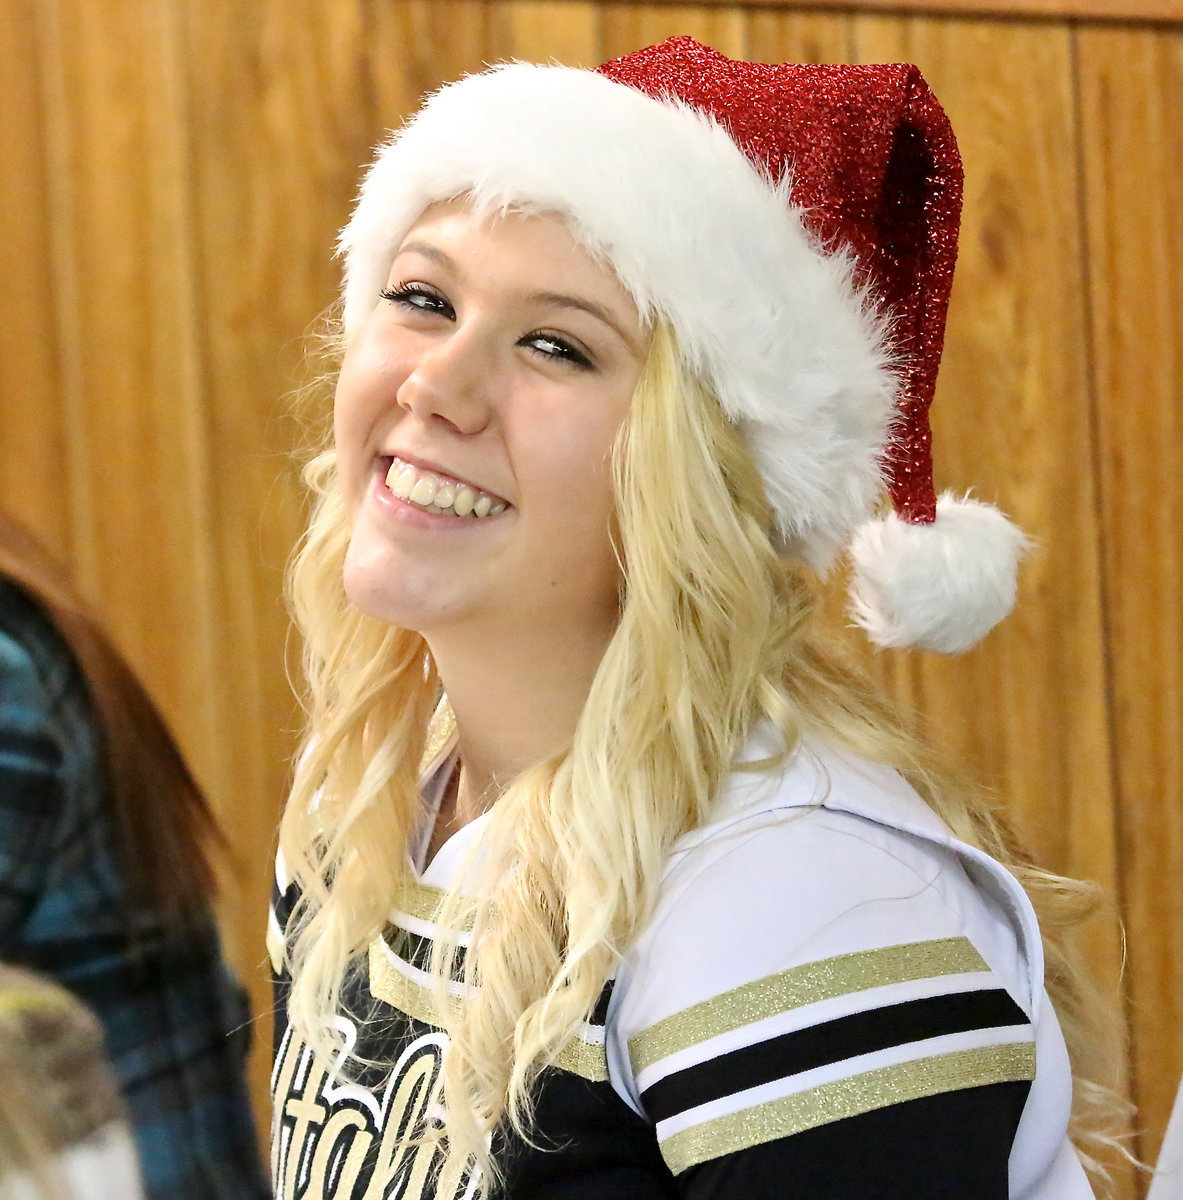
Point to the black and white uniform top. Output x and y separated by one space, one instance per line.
833 1000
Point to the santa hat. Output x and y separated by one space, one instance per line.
796 226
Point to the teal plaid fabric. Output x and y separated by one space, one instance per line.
175 1020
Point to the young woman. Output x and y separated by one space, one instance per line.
601 875
106 885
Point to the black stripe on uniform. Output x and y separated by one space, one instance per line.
599 1014
830 1042
956 1144
415 948
283 903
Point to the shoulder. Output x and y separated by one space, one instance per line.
818 951
824 857
24 640
41 684
29 639
48 725
35 667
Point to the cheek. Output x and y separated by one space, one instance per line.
347 441
343 416
580 439
575 486
366 390
578 467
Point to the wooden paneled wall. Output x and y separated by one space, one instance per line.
174 173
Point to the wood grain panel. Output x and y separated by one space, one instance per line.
1131 87
628 27
567 31
33 479
122 272
780 37
417 45
1123 11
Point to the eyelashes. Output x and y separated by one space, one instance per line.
418 298
549 345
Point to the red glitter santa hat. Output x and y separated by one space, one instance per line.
796 226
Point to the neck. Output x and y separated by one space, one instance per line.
517 700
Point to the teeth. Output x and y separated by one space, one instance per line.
424 490
400 479
438 496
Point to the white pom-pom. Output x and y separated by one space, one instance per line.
938 587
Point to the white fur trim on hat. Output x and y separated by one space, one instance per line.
778 327
938 587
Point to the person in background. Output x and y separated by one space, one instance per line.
63 1125
106 883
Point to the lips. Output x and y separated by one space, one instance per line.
439 494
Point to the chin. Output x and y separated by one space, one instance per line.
383 590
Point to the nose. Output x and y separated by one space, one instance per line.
449 383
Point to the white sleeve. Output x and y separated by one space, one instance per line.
804 966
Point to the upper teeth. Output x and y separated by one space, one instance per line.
440 496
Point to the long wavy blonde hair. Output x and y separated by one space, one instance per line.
715 634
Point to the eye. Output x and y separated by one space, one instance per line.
418 297
554 347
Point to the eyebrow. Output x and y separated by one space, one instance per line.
556 299
429 251
560 300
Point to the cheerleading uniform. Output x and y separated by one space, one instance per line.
833 999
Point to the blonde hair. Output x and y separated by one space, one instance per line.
715 635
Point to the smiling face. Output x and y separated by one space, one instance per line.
474 419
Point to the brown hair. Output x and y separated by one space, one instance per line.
164 825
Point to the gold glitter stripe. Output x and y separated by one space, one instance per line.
586 1059
423 901
416 1000
441 729
847 1098
808 984
390 985
419 900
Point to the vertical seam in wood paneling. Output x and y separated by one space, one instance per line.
1094 429
51 327
369 85
63 286
197 383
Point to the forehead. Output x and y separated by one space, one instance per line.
519 249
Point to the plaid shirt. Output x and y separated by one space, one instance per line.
174 1018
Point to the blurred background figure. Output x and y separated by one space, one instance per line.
63 1126
106 882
